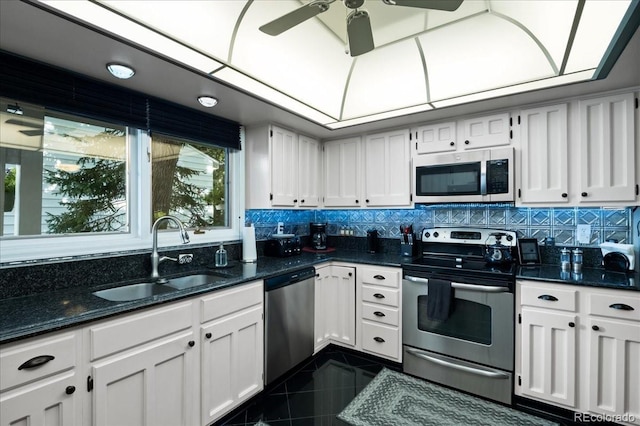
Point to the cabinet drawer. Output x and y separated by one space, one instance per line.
388 277
225 302
48 355
546 297
381 295
613 305
382 314
133 330
381 339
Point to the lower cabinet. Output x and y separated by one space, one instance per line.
184 363
232 360
153 385
40 381
579 348
335 300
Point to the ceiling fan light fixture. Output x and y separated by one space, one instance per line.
207 101
120 71
15 109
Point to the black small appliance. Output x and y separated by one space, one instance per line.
283 246
318 236
372 240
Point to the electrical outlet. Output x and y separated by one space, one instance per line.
185 258
583 234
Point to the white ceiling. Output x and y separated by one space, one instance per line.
39 32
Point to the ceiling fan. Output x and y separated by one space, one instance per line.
358 23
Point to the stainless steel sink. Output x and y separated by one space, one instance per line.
133 291
190 281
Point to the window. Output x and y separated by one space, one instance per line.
75 186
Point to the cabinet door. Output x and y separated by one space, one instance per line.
614 349
284 167
387 169
436 138
483 132
544 173
232 361
335 305
607 152
51 402
308 172
548 355
150 386
342 173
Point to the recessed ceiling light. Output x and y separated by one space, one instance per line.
207 101
121 71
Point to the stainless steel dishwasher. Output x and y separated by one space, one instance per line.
289 317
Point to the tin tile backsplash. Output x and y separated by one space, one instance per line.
540 223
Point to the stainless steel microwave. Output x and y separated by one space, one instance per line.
479 176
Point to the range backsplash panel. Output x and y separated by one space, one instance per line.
559 223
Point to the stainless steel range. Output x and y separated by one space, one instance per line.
458 310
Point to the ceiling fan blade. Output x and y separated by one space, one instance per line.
359 33
446 5
24 123
32 132
291 19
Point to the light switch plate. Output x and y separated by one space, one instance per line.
584 234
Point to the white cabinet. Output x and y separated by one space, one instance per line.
342 173
544 171
283 169
232 338
41 382
380 319
607 153
151 385
485 132
434 138
143 369
579 348
387 169
335 300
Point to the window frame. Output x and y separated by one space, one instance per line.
47 248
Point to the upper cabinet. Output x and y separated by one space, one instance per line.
283 169
607 151
544 170
435 138
579 154
373 172
387 169
342 173
487 131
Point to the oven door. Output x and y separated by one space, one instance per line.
479 329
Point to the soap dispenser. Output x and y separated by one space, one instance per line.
221 256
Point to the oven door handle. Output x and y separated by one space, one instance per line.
461 286
476 371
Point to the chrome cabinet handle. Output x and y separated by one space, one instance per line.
491 374
461 286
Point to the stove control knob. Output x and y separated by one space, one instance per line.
509 238
435 235
427 235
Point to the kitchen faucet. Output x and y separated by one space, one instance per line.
155 258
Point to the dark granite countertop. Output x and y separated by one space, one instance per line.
591 277
35 314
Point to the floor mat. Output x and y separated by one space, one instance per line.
396 399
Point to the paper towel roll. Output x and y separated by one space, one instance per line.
249 244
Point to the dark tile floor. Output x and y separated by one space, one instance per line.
314 393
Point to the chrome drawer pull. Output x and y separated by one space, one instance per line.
442 362
462 286
378 314
548 297
621 306
378 277
379 339
36 362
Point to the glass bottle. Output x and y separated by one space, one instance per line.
221 256
577 260
565 259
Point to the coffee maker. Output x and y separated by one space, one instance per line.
318 236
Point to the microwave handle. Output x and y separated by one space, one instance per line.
483 177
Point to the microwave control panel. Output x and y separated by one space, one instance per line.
498 176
